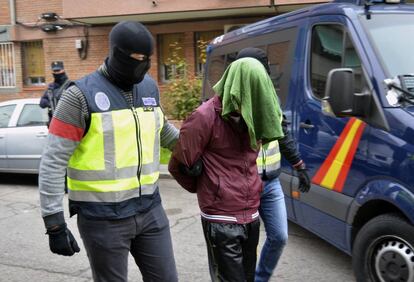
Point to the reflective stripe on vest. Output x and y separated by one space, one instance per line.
269 158
104 166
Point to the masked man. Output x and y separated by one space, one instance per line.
107 132
52 95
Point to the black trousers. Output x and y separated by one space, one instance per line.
231 250
146 236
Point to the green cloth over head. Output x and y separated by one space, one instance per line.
245 87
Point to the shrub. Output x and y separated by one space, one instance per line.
184 89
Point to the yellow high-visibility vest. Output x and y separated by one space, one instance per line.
269 157
118 145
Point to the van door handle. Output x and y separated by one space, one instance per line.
306 125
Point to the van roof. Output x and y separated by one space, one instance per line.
342 7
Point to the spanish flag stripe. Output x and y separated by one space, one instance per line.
320 174
339 184
333 172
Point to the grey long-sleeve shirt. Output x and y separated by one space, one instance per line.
70 118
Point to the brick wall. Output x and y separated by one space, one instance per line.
28 11
63 49
4 12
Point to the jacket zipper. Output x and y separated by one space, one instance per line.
139 151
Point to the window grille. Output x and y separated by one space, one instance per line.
7 63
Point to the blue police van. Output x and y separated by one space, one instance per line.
344 74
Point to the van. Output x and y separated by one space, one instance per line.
344 75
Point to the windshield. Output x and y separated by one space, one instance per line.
392 37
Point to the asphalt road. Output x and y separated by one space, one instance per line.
25 255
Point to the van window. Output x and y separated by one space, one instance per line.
351 60
278 55
215 71
389 33
332 48
326 55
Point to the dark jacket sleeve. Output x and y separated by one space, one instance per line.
44 101
288 146
194 137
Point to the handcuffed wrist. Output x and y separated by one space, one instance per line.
299 165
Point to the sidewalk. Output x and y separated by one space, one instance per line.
164 172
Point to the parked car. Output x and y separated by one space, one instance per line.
23 133
344 73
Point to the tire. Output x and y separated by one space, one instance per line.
383 250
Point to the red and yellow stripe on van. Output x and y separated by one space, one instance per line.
333 172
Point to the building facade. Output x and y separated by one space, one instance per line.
35 33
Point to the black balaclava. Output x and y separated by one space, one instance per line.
125 38
256 53
60 78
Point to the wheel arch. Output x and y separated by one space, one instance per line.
372 209
380 196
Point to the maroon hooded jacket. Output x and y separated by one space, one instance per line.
228 190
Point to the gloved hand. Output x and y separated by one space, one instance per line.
193 171
304 180
61 241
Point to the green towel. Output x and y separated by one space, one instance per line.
246 87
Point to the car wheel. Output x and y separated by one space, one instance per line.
383 250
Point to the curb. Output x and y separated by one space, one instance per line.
164 174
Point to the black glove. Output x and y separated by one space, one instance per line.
62 242
304 180
193 171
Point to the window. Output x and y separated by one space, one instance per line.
279 63
332 48
391 37
5 115
7 71
326 55
32 115
33 63
215 71
171 60
201 41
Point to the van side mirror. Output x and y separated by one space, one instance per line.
339 94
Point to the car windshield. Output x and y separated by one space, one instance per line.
392 37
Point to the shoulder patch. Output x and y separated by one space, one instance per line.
149 101
102 101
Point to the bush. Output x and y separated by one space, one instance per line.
184 95
184 89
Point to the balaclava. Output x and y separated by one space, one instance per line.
125 38
60 78
256 53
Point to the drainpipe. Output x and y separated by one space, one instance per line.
272 4
12 12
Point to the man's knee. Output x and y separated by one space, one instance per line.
279 238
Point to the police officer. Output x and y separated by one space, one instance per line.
107 132
51 96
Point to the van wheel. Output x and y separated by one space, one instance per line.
383 250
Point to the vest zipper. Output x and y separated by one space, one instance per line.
139 152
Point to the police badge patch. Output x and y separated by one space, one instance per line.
149 101
102 101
